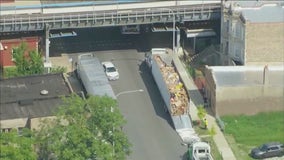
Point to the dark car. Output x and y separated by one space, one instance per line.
273 149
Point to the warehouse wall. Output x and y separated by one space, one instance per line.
266 94
210 88
13 123
249 99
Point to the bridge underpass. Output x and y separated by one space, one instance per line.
112 18
99 39
110 38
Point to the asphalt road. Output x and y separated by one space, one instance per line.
148 127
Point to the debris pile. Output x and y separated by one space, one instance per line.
179 99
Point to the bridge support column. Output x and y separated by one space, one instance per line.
174 31
178 39
194 44
47 63
47 43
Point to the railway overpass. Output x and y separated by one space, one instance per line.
58 16
88 14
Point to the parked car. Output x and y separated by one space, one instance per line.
272 149
110 70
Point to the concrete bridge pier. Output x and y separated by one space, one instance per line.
47 63
178 40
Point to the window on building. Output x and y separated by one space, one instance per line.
13 53
238 30
233 30
228 26
242 30
227 48
238 57
237 53
6 130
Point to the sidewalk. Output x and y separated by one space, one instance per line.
64 60
196 99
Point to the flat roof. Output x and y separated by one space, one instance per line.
21 97
258 11
247 75
266 13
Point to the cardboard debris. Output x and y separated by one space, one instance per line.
179 99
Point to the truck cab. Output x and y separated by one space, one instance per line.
199 151
148 55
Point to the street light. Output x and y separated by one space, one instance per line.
126 92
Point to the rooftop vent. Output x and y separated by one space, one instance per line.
44 92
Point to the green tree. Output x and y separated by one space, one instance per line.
212 132
35 63
27 64
85 129
14 146
201 112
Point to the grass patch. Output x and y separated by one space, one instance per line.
214 150
245 132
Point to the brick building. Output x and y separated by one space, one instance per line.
252 32
7 45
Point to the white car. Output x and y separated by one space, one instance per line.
110 70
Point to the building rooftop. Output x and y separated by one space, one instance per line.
22 97
266 13
258 11
247 75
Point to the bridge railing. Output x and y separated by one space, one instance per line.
161 14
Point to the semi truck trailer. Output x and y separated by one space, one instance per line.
173 92
92 75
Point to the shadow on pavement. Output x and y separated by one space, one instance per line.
197 99
109 38
154 93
